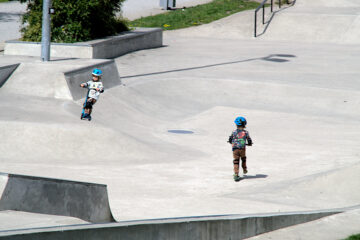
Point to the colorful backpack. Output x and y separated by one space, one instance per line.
239 138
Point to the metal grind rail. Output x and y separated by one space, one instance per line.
262 6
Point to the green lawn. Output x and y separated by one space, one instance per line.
192 16
354 237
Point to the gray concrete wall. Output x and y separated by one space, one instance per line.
86 201
141 38
5 72
232 227
74 78
110 47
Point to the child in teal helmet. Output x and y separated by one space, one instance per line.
239 139
95 88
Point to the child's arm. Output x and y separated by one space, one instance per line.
249 140
84 85
100 88
231 138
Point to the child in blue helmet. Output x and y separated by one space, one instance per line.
95 88
239 139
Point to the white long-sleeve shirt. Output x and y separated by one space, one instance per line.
91 85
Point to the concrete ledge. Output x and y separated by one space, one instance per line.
86 201
110 47
5 72
191 228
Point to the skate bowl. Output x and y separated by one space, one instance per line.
301 101
86 201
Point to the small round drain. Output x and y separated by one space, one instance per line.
181 131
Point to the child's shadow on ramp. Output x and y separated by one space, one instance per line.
255 176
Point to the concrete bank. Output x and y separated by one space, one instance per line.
82 200
110 47
191 228
60 78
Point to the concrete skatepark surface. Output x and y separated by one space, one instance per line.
300 97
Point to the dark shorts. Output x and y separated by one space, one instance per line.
239 153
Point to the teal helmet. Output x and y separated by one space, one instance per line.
97 72
240 121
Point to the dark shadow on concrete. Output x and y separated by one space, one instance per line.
271 57
177 131
62 59
9 17
255 176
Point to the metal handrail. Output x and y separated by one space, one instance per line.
262 5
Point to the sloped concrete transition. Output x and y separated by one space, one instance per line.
297 84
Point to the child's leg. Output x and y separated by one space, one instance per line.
88 107
243 164
243 160
236 161
93 102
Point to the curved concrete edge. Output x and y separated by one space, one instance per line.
188 228
6 71
110 78
87 201
110 47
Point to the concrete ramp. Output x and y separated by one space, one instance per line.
82 200
58 78
304 21
318 24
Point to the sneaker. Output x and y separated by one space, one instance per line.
236 178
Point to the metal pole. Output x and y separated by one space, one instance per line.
255 25
272 3
263 15
45 33
279 3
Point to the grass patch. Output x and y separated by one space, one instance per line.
192 16
4 1
354 237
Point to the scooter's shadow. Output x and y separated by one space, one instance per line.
254 176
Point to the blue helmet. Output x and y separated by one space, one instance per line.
97 72
240 121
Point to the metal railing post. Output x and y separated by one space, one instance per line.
255 24
272 3
263 14
45 31
279 3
